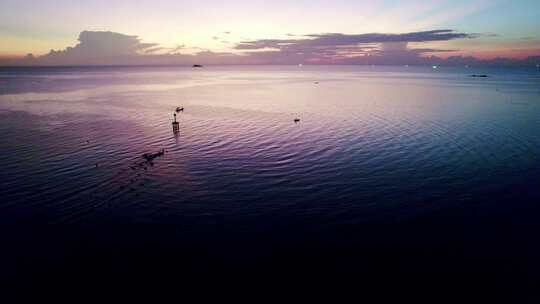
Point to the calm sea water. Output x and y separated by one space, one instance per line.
374 146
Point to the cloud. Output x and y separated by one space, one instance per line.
337 39
95 47
345 48
109 48
154 50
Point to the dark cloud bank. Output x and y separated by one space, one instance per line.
108 48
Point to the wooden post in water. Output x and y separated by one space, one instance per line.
175 125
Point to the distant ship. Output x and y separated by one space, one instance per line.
197 66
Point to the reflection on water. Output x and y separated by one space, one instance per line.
371 144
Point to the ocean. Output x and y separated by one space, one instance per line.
391 172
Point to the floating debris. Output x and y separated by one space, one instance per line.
197 66
133 181
151 156
479 75
296 120
316 82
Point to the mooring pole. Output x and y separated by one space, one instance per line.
175 125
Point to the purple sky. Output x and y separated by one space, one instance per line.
260 32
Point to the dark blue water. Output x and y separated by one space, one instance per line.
396 173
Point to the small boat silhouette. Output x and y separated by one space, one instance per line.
179 109
479 75
197 66
151 156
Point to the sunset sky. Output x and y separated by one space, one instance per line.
484 28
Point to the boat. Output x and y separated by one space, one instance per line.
150 156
